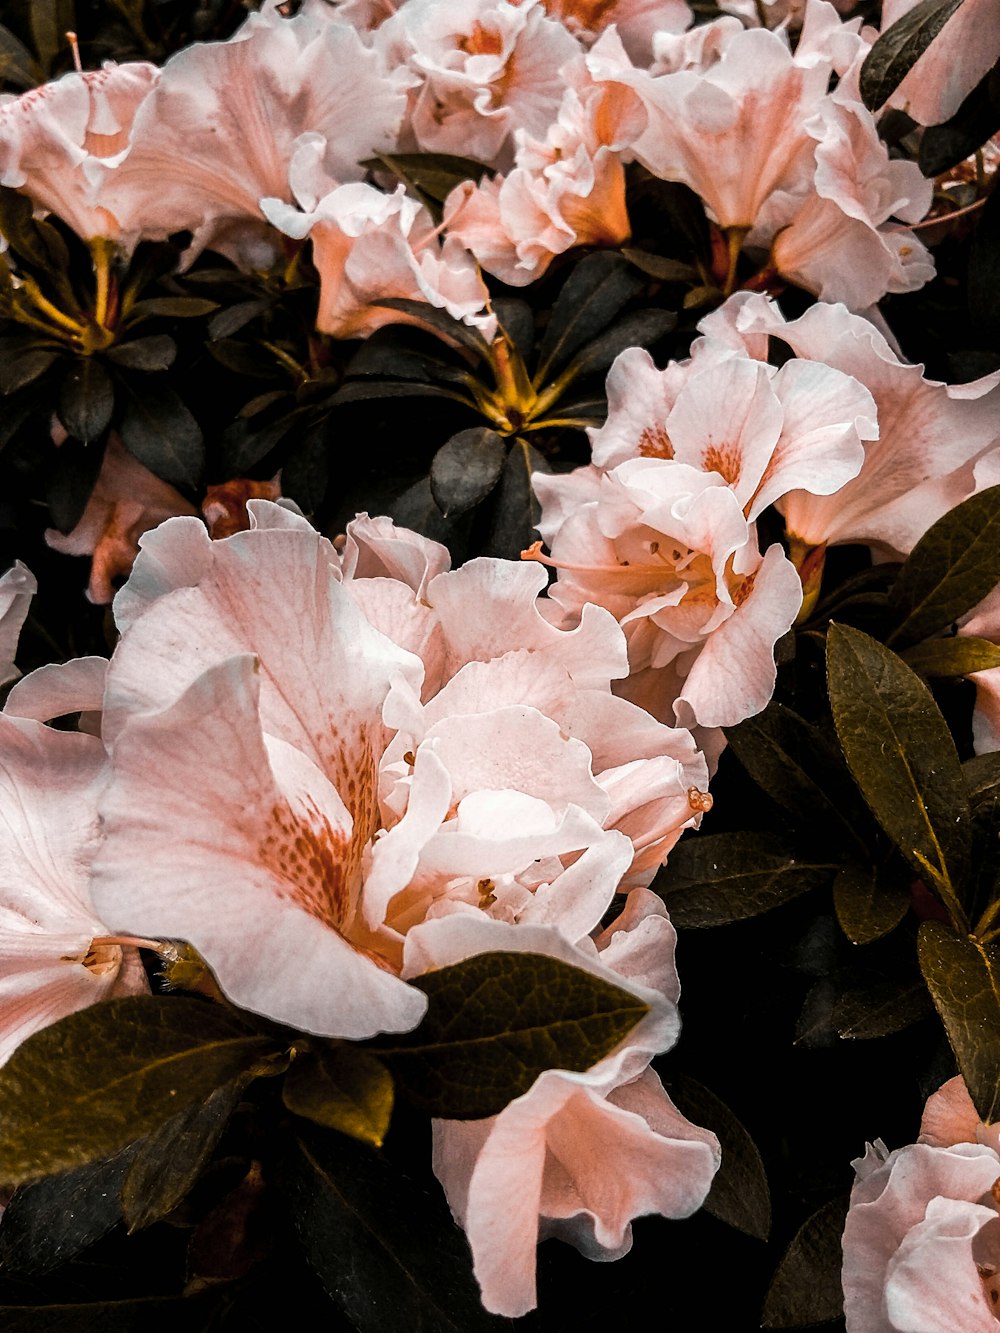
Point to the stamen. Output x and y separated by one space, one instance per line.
701 801
75 48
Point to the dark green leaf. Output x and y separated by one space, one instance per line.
466 468
343 1088
517 320
359 391
496 1021
248 359
389 354
782 752
23 367
379 1242
638 329
515 506
415 508
245 443
305 475
900 46
952 568
70 481
593 294
976 120
17 224
723 877
963 977
440 321
160 431
957 656
657 266
86 399
902 756
17 65
156 352
93 1082
866 907
173 307
982 776
51 1221
166 1163
50 20
432 174
806 1286
984 267
864 1012
739 1193
156 1314
232 318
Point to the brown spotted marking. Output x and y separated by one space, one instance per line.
654 442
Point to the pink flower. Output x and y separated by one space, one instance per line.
17 586
636 21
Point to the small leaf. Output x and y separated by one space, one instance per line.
951 569
343 1088
963 977
156 352
496 1021
638 329
52 1221
24 367
866 908
173 307
902 756
166 1163
466 468
516 509
93 1082
657 266
232 318
806 1286
440 321
593 294
960 655
86 400
723 877
415 508
739 1195
864 1012
158 430
379 1242
900 47
431 174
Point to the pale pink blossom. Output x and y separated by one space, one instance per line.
579 1155
231 123
17 586
54 138
56 956
127 500
368 245
661 528
484 68
930 434
947 71
922 1238
636 21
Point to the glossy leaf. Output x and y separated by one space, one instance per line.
230 319
963 977
23 367
657 266
806 1286
495 1022
86 399
866 907
439 320
721 877
466 468
165 1165
876 1010
641 328
593 294
516 509
951 569
380 1243
88 1085
976 120
900 47
960 655
159 430
902 756
344 1088
739 1195
157 352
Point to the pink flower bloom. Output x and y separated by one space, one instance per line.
17 586
126 501
636 21
922 1239
368 245
53 140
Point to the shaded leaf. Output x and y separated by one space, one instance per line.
976 120
516 509
866 907
440 321
963 977
806 1286
244 443
156 352
166 1163
466 468
657 266
496 1021
155 1314
23 367
951 569
379 1242
159 430
18 225
517 319
959 655
721 877
593 294
51 1221
233 1237
305 474
900 46
415 508
230 319
93 1082
902 756
343 1088
359 391
984 267
17 65
248 359
86 399
814 1027
174 307
49 21
432 174
739 1193
70 481
864 1012
639 329
982 777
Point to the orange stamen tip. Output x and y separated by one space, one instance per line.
534 552
74 43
